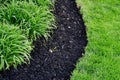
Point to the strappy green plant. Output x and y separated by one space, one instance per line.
14 47
34 20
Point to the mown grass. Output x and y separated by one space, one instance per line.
21 23
102 58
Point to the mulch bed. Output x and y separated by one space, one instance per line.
56 58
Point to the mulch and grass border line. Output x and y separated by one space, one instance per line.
56 58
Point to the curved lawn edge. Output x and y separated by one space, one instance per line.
55 59
101 60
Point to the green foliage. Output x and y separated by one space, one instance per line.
102 58
34 20
21 22
14 47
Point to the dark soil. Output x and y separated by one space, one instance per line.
55 59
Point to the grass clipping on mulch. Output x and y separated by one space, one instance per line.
102 58
21 22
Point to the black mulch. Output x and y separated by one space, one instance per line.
56 58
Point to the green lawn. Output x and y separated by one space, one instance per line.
102 58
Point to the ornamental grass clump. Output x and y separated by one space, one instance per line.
14 47
33 20
46 3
